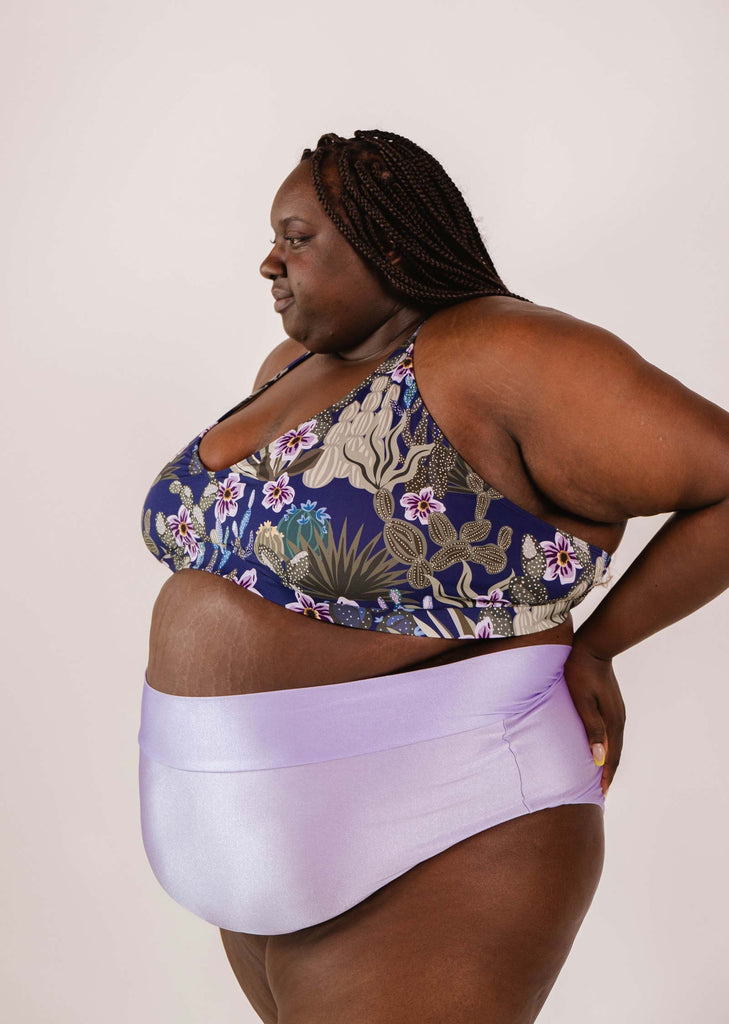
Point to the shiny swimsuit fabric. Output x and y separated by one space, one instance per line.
274 811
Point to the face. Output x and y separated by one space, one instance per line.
329 299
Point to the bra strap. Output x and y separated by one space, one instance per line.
268 383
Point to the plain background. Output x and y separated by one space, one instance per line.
143 143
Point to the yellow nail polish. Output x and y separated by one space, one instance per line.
598 754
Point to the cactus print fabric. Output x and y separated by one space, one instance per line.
366 516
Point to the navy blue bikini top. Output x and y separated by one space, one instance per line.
365 515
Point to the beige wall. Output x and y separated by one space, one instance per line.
147 139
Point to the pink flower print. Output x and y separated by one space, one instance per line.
229 491
419 506
248 581
495 599
404 369
183 532
278 493
485 629
294 441
562 562
307 606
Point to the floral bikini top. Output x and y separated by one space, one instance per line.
366 516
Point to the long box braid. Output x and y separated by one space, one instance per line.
389 197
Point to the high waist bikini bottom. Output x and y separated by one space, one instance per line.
270 812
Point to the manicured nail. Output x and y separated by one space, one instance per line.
598 754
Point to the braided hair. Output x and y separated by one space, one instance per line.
388 196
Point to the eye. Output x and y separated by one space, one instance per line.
294 240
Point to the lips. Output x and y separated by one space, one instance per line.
282 299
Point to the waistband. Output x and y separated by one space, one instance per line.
281 728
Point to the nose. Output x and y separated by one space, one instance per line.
273 266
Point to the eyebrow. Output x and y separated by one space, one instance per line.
290 220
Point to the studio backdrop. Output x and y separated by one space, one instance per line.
143 143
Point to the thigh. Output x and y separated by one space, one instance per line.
477 933
247 956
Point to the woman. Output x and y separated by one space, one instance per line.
386 822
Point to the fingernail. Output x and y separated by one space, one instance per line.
598 754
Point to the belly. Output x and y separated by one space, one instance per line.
210 637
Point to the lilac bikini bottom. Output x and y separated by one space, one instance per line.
270 812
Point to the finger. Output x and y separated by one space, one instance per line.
597 735
615 725
612 710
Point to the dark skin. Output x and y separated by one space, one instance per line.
568 422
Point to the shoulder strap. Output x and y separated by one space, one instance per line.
268 383
416 332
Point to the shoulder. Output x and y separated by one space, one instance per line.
592 419
514 331
284 353
518 353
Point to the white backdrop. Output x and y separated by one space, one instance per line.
146 139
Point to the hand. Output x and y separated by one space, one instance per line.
596 695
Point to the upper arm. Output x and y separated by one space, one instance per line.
607 434
283 354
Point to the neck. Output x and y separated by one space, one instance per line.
393 330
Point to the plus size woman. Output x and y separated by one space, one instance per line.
374 751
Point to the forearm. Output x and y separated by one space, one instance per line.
681 569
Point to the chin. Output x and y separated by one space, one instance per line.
303 333
289 323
